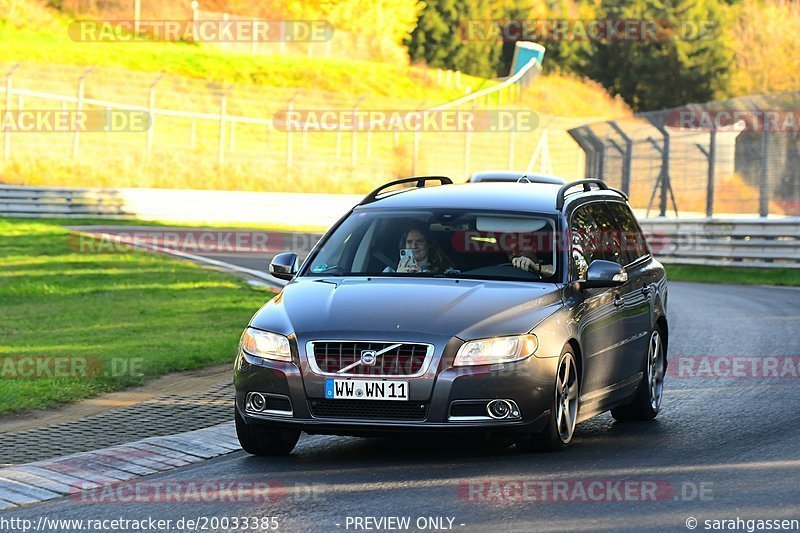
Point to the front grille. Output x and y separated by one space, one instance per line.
407 359
369 409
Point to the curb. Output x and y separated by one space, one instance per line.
52 478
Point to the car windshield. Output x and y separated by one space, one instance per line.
440 243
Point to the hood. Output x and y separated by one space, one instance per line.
394 308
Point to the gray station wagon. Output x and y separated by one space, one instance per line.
514 309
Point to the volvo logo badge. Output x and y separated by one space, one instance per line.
368 357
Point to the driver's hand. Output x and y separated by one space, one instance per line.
524 263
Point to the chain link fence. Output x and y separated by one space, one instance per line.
204 134
733 157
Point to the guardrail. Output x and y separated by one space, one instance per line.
38 202
719 242
289 210
768 243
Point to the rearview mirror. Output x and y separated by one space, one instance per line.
604 274
284 266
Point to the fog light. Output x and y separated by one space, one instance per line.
499 409
257 401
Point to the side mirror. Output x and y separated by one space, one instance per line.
284 266
604 274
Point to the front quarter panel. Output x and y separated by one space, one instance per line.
554 332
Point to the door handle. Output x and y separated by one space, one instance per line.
618 301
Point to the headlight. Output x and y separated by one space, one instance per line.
266 345
496 350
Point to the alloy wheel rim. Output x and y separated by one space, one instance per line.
566 398
655 370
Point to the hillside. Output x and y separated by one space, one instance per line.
256 157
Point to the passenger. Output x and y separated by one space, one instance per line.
428 256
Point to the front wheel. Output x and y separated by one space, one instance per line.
564 411
262 439
647 402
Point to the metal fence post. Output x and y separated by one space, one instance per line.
415 145
763 189
223 106
511 149
627 158
415 152
195 18
7 133
711 155
663 176
225 18
354 144
137 15
467 139
712 159
151 109
78 107
289 146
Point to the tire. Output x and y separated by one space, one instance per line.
560 427
647 402
262 439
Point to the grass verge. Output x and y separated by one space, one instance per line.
111 320
734 275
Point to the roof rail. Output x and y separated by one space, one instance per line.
420 180
587 186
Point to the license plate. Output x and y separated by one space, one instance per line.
363 389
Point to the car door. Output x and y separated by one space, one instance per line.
633 297
598 312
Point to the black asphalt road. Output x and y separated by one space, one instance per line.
722 449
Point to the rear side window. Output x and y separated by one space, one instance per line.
594 235
632 241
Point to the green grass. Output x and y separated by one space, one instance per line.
734 275
38 38
156 313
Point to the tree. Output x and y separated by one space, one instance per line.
766 48
689 61
439 39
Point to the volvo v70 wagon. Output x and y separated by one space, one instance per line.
511 309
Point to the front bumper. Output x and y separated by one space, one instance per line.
529 383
